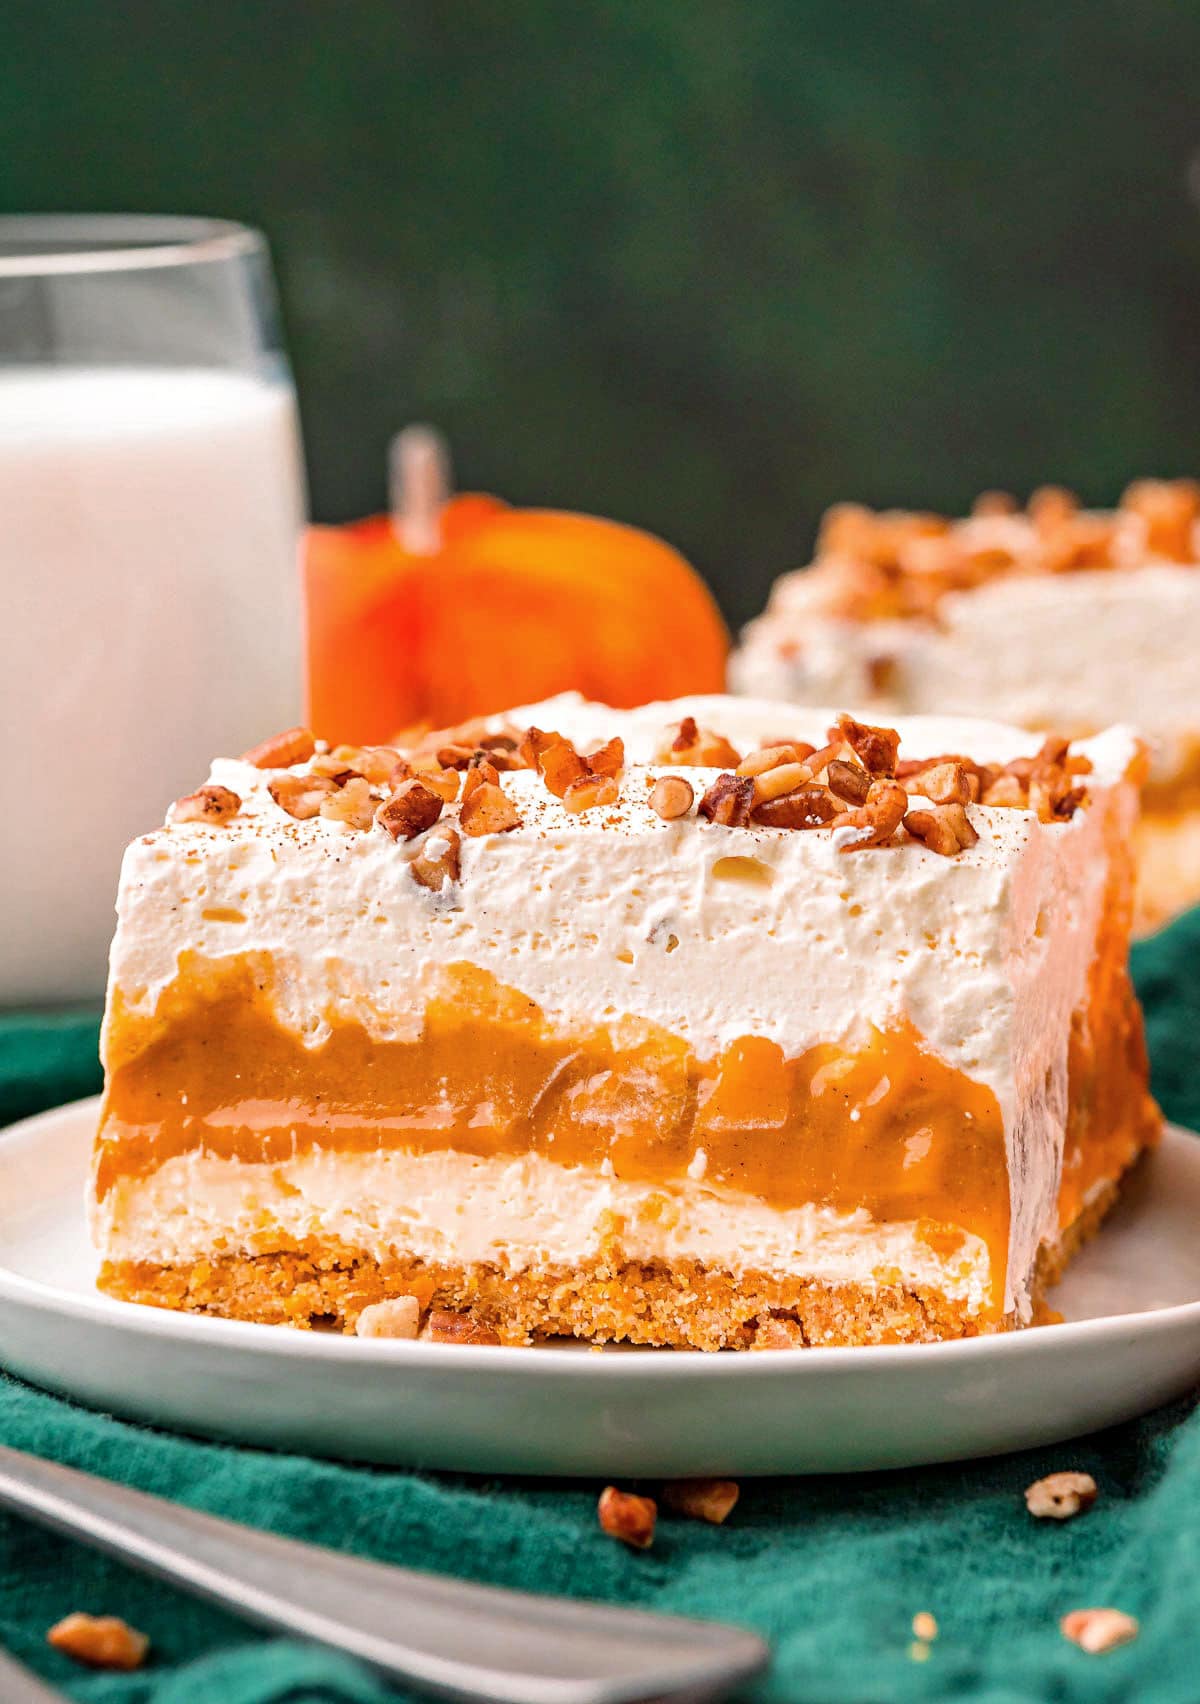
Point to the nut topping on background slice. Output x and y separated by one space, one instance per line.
699 748
212 804
488 810
1098 1630
1050 506
296 745
1060 1496
301 795
439 860
628 1517
729 801
1170 509
100 1641
876 821
411 809
709 1500
995 503
672 797
943 828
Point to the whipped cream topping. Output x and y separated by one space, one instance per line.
712 932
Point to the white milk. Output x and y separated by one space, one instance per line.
149 620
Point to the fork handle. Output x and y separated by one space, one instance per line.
460 1641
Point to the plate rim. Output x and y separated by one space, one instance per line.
283 1343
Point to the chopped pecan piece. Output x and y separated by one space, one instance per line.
944 784
444 782
700 748
296 745
608 759
817 762
1051 793
709 1500
770 757
848 781
301 795
444 1326
628 1517
439 860
478 775
876 821
398 1316
411 809
455 756
807 807
488 811
672 797
377 763
589 791
534 742
1006 791
100 1641
212 804
561 764
775 783
943 828
729 801
875 748
1098 1630
351 805
1060 1496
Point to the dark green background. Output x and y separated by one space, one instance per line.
702 264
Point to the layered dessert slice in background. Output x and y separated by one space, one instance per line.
714 1023
1052 617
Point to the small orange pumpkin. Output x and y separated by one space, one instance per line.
463 606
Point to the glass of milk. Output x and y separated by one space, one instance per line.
151 501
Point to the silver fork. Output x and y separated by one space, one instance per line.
19 1685
477 1644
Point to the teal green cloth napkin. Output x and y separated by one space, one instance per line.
831 1570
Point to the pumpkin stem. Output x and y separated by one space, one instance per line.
418 486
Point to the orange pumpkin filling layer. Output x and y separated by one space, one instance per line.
885 1126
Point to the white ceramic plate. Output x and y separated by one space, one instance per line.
1132 1341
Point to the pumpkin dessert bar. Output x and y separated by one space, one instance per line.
717 1023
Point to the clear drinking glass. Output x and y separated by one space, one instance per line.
151 504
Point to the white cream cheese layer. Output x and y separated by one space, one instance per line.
711 932
514 1213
